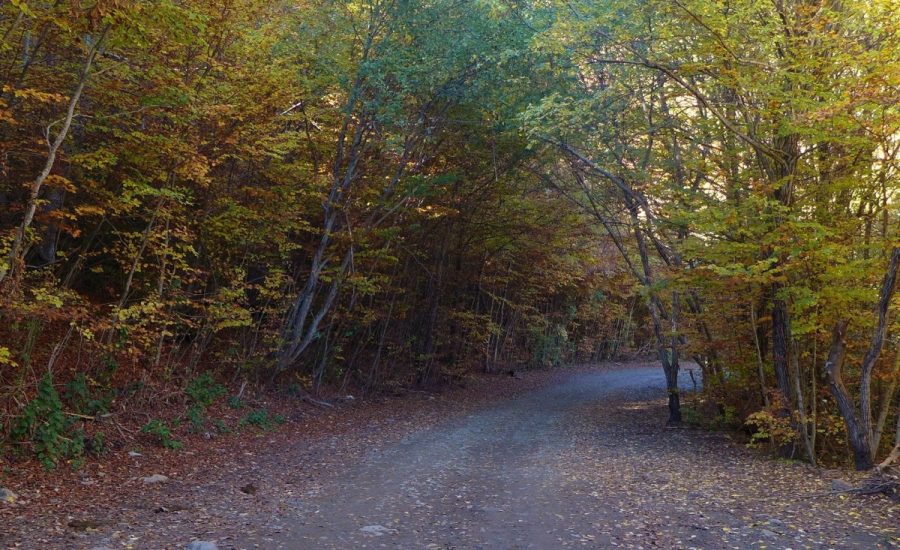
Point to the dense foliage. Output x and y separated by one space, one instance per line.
381 193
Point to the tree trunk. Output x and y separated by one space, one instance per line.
859 422
859 441
887 398
760 366
888 286
21 240
669 362
803 426
781 341
781 338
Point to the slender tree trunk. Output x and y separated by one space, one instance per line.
760 366
894 455
887 397
668 357
888 286
814 392
801 407
145 238
373 370
21 240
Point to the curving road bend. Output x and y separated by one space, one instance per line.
586 463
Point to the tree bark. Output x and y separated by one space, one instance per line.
669 361
859 422
887 398
859 442
781 338
895 452
761 374
888 286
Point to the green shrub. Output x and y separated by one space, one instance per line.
220 426
162 432
204 390
85 401
97 443
44 426
261 419
196 417
711 417
550 347
770 427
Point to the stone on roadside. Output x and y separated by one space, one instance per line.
155 478
202 545
84 524
7 496
839 486
377 530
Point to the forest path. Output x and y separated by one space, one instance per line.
576 457
584 463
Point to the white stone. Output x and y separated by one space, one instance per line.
156 478
377 530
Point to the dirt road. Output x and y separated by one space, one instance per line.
586 463
582 459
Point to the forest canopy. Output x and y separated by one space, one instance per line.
389 193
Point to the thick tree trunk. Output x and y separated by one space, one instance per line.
781 339
859 441
888 286
859 422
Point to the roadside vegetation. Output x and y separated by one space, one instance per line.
201 201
